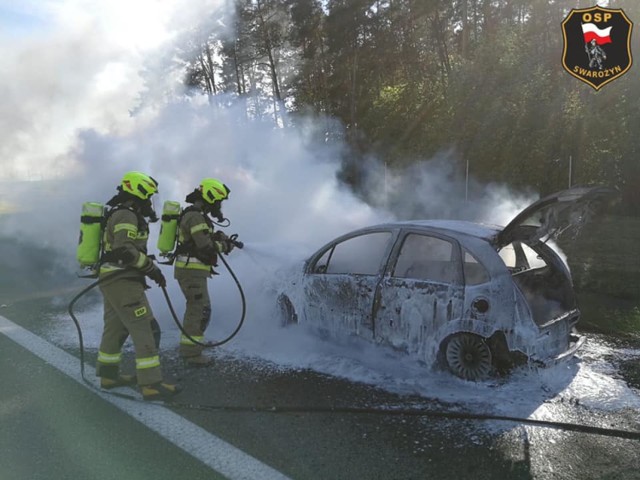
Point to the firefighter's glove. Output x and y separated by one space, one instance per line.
224 246
155 274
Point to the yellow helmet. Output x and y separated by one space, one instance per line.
213 189
139 184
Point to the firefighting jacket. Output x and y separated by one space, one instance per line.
196 246
125 243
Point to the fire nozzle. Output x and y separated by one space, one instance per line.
236 243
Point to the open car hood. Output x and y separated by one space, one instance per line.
550 216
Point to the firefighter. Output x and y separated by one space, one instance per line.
126 308
595 53
196 255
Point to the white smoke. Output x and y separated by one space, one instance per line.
438 188
69 136
78 64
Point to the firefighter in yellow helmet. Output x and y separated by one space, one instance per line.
196 255
124 266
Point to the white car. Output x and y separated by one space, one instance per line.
478 299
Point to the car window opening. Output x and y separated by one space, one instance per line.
545 286
474 272
427 258
361 255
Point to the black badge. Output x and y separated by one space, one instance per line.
597 45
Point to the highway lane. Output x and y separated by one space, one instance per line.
56 426
53 428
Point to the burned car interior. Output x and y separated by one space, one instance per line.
429 258
549 293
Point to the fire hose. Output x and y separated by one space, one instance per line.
116 275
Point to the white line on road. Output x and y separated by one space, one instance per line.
214 452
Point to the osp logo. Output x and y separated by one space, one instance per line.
597 45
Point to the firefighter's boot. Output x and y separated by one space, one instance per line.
159 391
120 381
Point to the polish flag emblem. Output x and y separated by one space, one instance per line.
597 45
600 35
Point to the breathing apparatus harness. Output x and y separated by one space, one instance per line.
91 252
169 235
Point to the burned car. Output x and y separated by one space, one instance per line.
474 298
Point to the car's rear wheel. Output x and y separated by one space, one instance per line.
468 356
288 314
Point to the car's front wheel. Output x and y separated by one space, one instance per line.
468 356
288 314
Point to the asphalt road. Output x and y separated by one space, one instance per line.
53 426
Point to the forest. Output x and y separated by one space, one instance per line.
406 80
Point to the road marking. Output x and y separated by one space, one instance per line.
214 452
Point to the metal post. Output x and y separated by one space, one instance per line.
570 170
466 183
386 192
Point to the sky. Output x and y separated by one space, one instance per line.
72 65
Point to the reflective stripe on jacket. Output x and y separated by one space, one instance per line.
126 234
186 261
194 236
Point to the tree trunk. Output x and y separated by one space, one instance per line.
268 45
214 89
441 44
464 43
353 97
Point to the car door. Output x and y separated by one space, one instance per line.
342 281
420 291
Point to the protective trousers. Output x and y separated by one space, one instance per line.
127 312
198 311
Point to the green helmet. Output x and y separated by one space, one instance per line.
139 184
213 190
